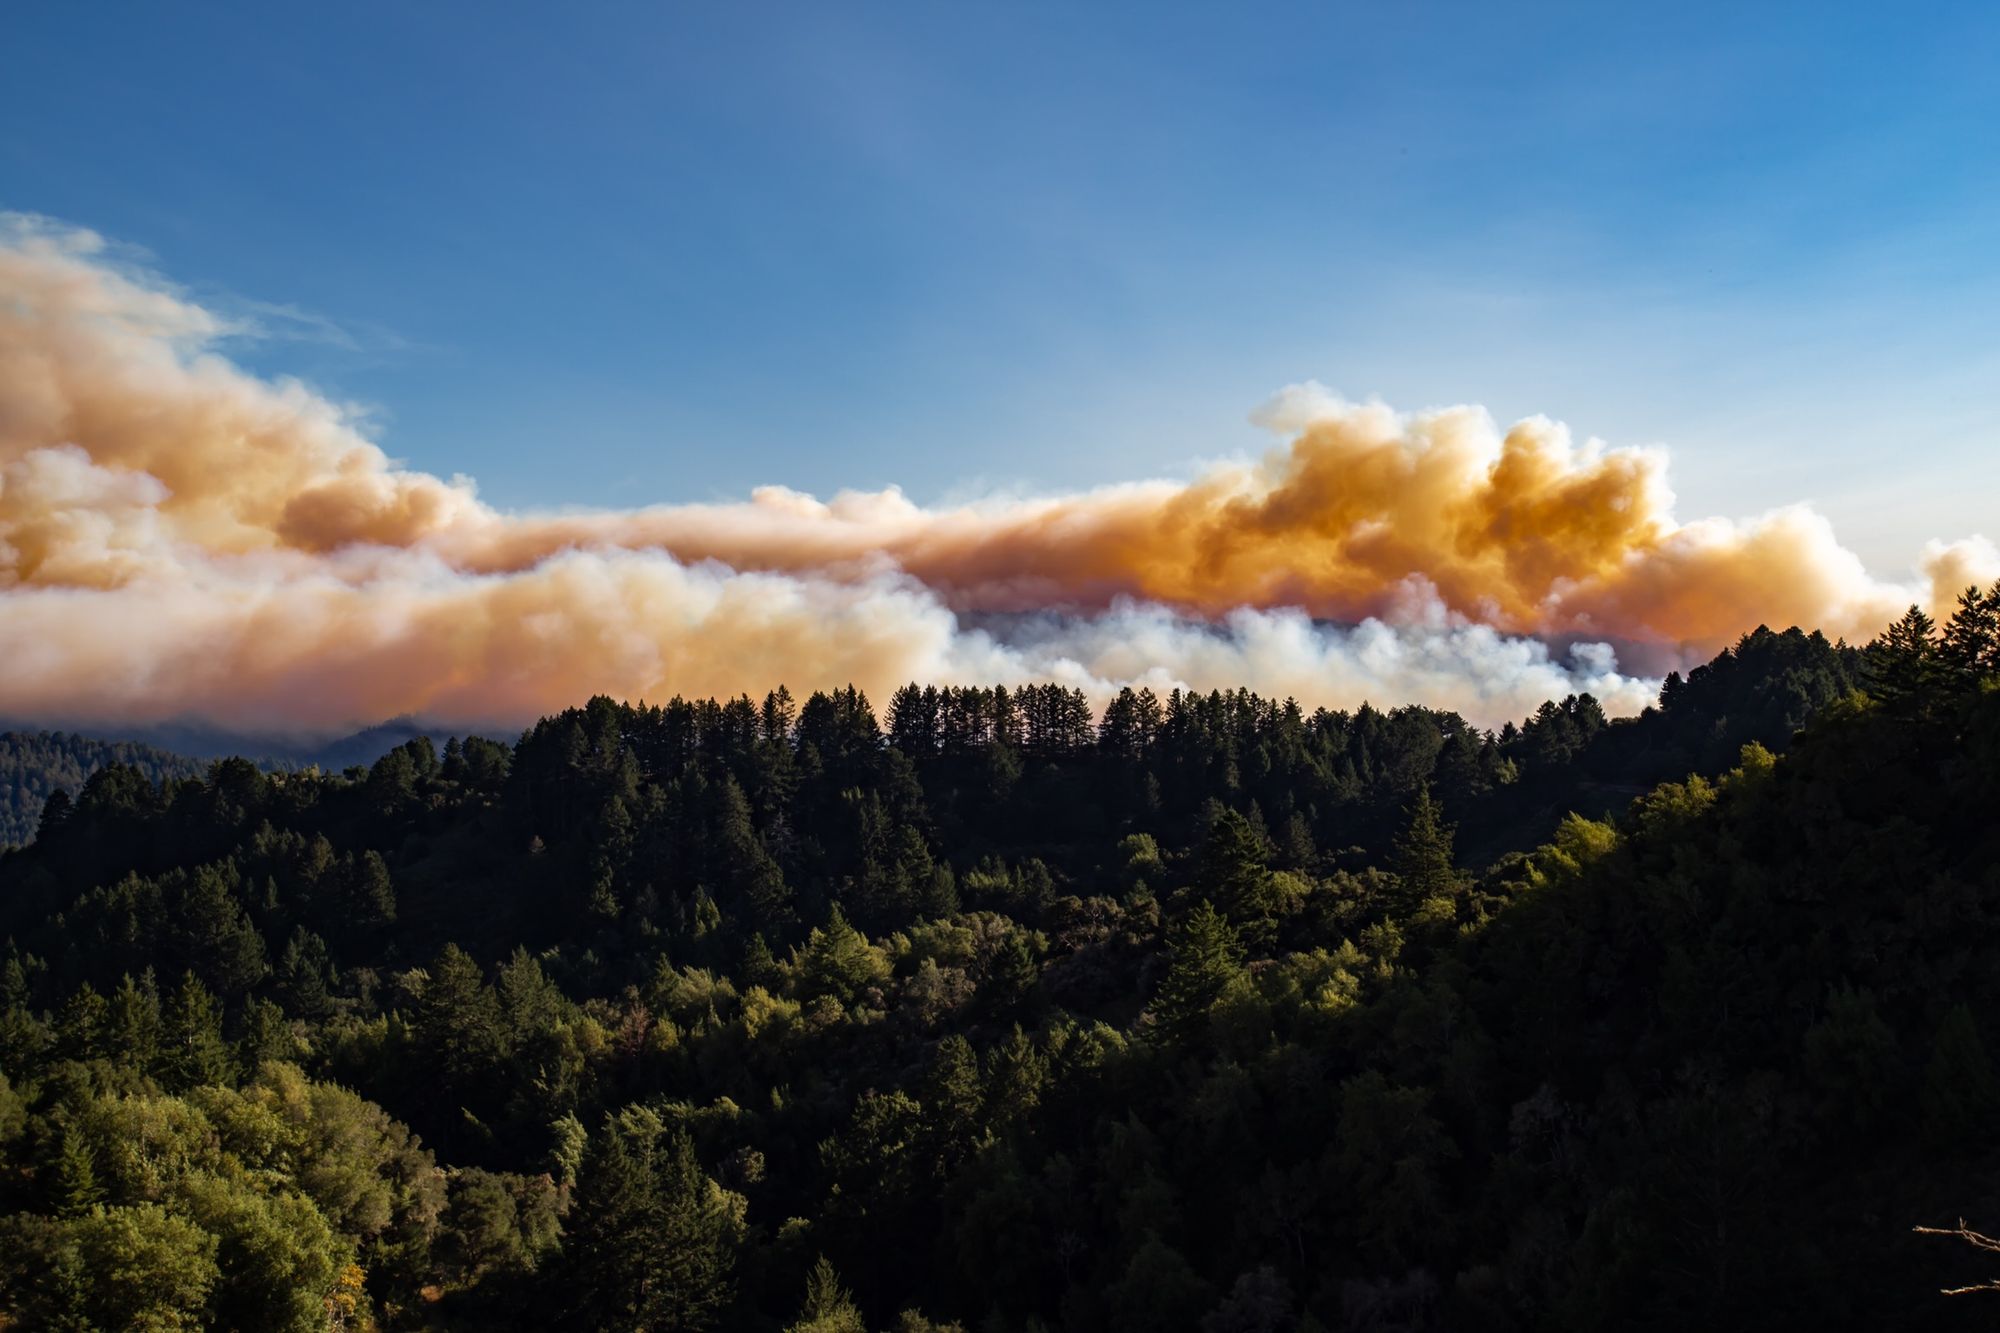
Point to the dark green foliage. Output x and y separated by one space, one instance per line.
192 1052
73 1188
132 1024
1215 1014
43 766
370 896
460 1036
1971 643
837 963
496 1226
1422 858
305 977
215 937
1234 872
133 1267
1905 666
655 1241
1205 957
828 1306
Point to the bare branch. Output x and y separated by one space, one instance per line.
1973 1238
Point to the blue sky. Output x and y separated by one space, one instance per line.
608 254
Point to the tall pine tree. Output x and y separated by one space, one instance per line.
1205 955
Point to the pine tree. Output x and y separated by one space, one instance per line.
1422 853
392 781
653 1244
1971 641
608 1220
371 894
266 1035
1205 955
55 813
1011 974
305 974
752 875
760 968
192 1052
828 1308
1903 665
218 941
914 865
132 1030
940 893
1299 847
13 979
80 1027
775 717
691 1240
458 1019
952 1094
838 961
73 1187
530 1003
452 767
1233 872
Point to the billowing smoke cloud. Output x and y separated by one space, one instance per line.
179 538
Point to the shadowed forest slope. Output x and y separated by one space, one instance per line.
1204 1013
36 764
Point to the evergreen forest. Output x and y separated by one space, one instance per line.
980 1009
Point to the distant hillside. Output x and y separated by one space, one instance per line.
1192 1013
336 755
364 747
1762 690
201 741
1564 758
35 763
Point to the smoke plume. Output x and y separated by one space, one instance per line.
180 538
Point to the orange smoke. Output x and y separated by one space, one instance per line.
178 537
1523 530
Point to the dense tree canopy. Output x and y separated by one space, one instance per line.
36 765
1207 1012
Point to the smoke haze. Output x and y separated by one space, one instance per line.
182 539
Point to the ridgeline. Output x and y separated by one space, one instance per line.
1206 1013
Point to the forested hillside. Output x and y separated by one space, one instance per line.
1204 1013
34 764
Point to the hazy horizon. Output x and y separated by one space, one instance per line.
1339 355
